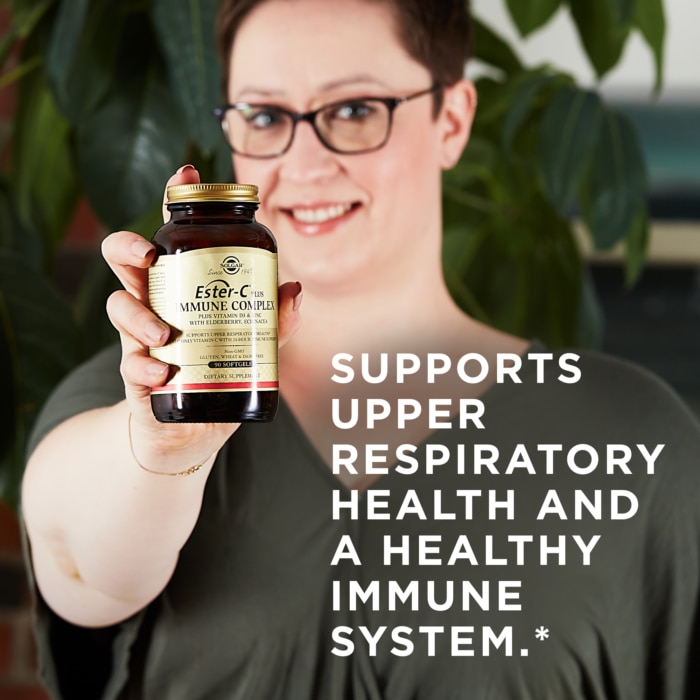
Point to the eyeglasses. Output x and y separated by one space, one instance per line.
356 125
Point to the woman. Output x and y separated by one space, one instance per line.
153 587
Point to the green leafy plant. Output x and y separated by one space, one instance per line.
545 156
113 96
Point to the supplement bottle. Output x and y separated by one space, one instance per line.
214 282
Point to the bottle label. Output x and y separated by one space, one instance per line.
222 306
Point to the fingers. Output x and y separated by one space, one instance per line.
129 255
174 446
131 317
139 329
289 318
186 175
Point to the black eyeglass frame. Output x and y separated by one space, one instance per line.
390 102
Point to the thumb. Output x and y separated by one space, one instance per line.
186 175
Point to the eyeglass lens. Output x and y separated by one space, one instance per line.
349 127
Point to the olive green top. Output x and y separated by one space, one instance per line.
249 611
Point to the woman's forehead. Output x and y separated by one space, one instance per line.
324 45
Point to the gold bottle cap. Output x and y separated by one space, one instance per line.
212 192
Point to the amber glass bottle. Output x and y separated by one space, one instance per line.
214 281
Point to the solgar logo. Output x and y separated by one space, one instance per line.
231 265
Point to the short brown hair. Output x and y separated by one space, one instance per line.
436 33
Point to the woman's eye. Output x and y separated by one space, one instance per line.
353 111
264 118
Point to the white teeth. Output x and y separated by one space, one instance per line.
320 214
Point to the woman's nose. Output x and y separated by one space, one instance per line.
307 159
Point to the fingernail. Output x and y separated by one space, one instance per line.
297 298
157 332
182 168
141 248
156 369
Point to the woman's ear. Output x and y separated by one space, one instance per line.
456 116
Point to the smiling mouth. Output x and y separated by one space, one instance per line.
319 215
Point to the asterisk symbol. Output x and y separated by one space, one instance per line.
542 633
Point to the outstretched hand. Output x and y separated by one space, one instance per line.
165 447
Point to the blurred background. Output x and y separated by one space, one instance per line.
574 215
656 322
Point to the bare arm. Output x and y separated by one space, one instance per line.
105 534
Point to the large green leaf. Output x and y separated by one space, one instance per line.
129 147
13 236
82 52
477 161
185 30
495 99
530 15
459 246
614 192
98 283
42 170
650 18
518 267
222 164
602 33
568 131
624 9
527 86
519 280
492 49
41 343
